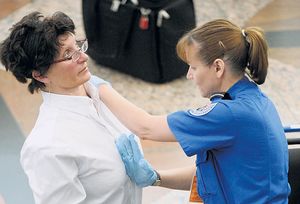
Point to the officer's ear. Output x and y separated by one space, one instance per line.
219 67
37 76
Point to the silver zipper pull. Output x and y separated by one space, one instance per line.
115 5
160 16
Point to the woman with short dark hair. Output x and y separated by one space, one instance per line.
70 155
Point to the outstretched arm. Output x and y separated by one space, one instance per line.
142 173
179 178
137 120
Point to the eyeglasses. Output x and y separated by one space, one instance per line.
83 46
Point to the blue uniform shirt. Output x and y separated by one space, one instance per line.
242 154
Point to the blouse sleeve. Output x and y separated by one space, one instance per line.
53 177
208 128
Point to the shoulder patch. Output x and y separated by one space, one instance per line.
203 110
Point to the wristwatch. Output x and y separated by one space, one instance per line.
157 182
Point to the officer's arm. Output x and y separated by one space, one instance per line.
134 118
143 174
180 178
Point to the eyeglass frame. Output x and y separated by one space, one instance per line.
82 49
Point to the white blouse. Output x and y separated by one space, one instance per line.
70 155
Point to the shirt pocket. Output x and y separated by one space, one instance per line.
206 176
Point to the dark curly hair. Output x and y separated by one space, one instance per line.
33 44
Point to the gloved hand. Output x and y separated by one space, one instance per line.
137 168
97 81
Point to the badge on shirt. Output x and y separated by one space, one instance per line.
203 110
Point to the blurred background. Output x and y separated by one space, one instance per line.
18 108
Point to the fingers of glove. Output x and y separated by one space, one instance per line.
124 148
128 148
127 158
130 167
120 145
137 155
129 170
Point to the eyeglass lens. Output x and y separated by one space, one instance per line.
83 46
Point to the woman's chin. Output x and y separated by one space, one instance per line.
87 75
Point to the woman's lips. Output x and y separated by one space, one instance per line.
84 69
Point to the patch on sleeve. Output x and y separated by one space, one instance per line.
203 110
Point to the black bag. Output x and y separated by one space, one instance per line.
138 37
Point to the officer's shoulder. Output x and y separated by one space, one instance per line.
202 110
220 107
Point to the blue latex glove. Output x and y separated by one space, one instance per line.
97 81
137 168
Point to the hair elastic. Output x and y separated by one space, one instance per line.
243 32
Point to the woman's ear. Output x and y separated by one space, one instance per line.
37 76
219 67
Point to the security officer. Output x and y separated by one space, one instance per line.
242 154
240 146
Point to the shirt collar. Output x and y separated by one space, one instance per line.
239 86
236 88
80 104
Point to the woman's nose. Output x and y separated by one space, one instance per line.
83 57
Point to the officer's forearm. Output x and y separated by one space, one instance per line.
180 178
137 120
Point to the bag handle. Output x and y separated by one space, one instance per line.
115 4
